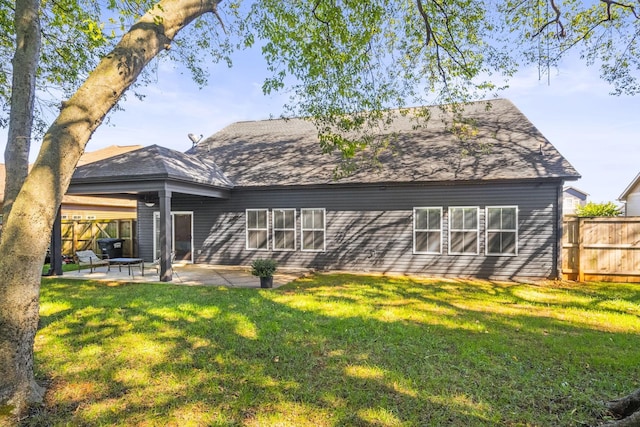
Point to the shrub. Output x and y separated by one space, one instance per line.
263 267
592 209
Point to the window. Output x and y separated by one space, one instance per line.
284 229
313 229
427 230
463 230
91 217
257 229
502 230
76 217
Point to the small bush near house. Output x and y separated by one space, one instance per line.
264 268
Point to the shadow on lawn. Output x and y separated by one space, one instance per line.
392 352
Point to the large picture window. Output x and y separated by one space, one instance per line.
463 230
313 229
502 230
427 230
284 229
257 229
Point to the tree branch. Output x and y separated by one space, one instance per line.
425 18
217 15
610 3
462 64
556 20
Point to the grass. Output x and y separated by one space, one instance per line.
336 350
65 267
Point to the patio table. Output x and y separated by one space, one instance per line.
128 262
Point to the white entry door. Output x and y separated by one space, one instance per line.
181 237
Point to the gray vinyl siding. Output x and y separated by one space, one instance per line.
370 228
145 232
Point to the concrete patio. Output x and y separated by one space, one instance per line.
189 275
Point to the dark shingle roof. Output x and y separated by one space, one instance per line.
502 145
152 163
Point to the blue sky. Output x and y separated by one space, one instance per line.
596 132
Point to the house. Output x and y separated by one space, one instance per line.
631 198
482 197
572 197
90 208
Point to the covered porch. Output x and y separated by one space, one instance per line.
152 176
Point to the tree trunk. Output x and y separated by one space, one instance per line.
27 229
16 365
23 89
632 420
626 409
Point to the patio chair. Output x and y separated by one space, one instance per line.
156 265
88 257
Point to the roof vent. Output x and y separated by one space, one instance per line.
194 139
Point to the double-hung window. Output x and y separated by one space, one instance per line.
427 230
312 229
502 230
463 230
257 229
284 229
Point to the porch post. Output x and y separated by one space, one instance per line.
55 247
166 272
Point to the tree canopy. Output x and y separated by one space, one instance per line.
348 56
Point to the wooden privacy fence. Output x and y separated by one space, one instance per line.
80 235
604 249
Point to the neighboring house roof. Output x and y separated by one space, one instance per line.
105 153
152 163
86 158
630 188
576 192
502 145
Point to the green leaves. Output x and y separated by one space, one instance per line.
604 34
349 62
592 209
340 58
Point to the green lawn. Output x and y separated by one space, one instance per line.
336 350
65 267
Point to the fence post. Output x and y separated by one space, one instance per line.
74 237
581 254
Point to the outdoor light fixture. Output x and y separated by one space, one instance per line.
149 201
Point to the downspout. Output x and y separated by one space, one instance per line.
559 231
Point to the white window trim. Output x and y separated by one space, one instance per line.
76 217
274 229
324 229
450 219
421 230
487 230
246 228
